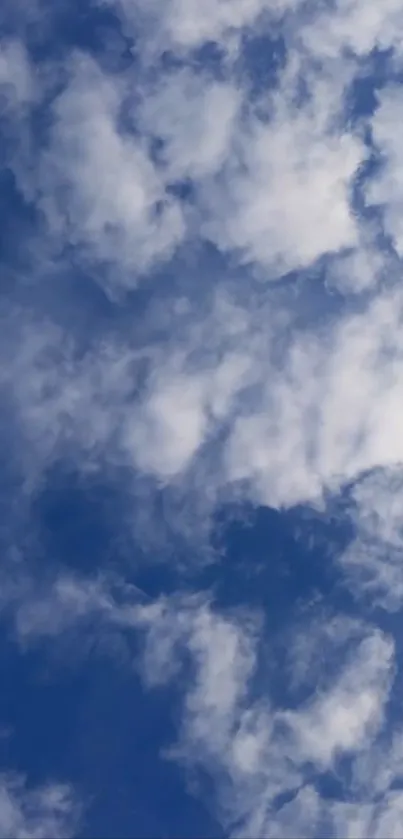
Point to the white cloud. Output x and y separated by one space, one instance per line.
58 608
180 409
373 561
293 406
257 752
332 412
184 25
171 428
343 719
195 117
355 25
290 415
324 408
357 270
36 812
286 198
386 187
96 185
17 83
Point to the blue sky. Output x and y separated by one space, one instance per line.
201 375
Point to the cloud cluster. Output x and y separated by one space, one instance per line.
270 760
264 757
272 186
244 247
182 25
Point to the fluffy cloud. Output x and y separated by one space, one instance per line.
274 392
284 200
268 759
194 118
323 413
332 411
349 25
340 721
274 191
183 26
258 752
98 188
35 813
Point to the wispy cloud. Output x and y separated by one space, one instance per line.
268 759
35 813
